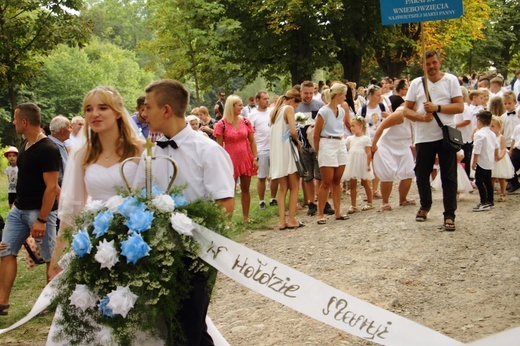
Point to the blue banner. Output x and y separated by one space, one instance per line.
414 11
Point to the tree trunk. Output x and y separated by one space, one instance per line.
351 66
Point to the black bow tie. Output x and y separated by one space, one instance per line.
511 113
164 144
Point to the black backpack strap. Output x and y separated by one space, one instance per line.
364 111
382 107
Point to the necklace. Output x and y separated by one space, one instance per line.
27 145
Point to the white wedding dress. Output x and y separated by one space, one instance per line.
98 183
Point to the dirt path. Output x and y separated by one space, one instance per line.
464 284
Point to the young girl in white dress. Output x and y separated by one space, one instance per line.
359 162
463 182
503 168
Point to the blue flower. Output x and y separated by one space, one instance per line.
134 248
106 311
140 221
101 222
179 200
130 206
81 243
155 192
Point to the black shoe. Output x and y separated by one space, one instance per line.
328 209
313 209
273 202
262 205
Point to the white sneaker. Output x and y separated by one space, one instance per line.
481 207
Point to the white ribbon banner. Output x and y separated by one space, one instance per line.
306 295
317 300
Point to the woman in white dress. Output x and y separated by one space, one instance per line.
93 166
282 166
393 156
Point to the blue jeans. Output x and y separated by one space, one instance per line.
17 229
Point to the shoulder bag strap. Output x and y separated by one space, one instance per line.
439 122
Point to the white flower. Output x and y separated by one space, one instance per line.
106 254
94 206
114 202
164 203
121 300
104 336
182 224
83 298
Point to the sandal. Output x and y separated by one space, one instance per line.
501 198
449 225
282 228
2 308
299 225
322 221
386 207
407 202
352 209
377 194
422 215
368 206
342 217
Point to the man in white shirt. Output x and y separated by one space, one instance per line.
204 168
260 119
446 100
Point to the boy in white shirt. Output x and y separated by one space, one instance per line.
477 99
484 152
514 153
511 116
205 169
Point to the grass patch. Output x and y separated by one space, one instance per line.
29 284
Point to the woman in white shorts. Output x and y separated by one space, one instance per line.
331 149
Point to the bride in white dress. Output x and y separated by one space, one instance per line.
93 167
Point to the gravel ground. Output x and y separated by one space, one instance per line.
464 284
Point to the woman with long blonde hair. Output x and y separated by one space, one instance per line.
236 135
94 163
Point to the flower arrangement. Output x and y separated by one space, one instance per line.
131 266
300 117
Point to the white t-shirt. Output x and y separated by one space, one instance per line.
260 121
12 178
467 131
516 87
484 144
332 126
373 118
509 124
204 166
516 136
441 93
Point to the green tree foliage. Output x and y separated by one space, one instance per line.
279 37
69 73
501 39
121 22
30 28
189 40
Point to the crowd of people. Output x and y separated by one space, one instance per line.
323 138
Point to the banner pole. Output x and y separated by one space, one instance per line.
423 50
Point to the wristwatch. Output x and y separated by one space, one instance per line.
439 108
